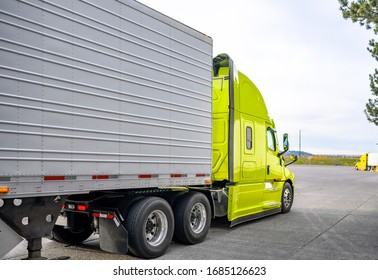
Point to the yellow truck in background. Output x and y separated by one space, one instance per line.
117 120
367 162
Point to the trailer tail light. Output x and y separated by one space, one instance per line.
82 207
78 207
70 206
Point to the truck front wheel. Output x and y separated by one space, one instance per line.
150 224
287 198
192 218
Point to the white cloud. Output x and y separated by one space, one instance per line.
310 64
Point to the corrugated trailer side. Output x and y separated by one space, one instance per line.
95 90
103 102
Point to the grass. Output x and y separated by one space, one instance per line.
327 160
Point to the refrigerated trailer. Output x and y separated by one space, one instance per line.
367 162
116 120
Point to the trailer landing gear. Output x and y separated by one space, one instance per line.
35 249
32 218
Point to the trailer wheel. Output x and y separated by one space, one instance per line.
150 224
67 236
192 218
287 198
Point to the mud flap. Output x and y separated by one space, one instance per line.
113 236
8 239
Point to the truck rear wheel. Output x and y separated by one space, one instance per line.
192 218
287 198
150 224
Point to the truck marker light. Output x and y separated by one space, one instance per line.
278 180
208 181
4 189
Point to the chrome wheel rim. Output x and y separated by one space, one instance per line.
287 198
156 228
198 218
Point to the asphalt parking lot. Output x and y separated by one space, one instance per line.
334 217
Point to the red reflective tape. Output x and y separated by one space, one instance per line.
100 177
53 178
176 175
201 175
103 215
144 176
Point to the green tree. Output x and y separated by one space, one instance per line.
365 12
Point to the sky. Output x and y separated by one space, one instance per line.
311 65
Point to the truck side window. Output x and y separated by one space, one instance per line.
271 138
249 137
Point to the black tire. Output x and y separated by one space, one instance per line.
192 218
67 236
150 225
287 198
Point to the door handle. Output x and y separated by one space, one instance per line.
268 169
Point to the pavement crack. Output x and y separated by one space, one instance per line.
366 201
318 235
351 213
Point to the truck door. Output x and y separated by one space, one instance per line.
246 195
273 163
274 170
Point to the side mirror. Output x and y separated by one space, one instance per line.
285 144
292 160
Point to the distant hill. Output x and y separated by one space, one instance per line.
296 153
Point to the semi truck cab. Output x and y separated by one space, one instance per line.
246 157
